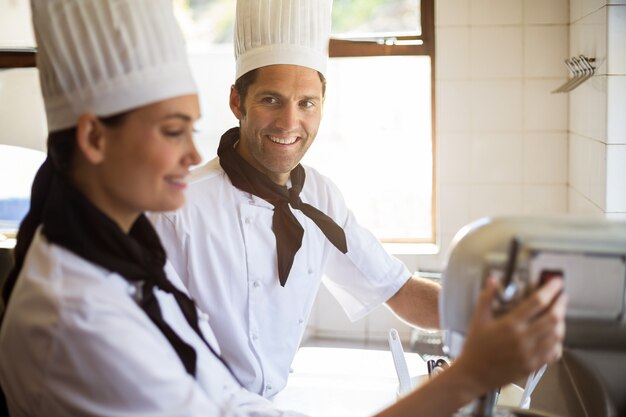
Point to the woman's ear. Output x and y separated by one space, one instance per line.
90 138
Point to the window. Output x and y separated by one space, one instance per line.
22 117
18 167
208 26
376 140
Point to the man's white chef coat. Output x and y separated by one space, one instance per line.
75 343
222 246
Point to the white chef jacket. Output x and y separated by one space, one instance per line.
75 343
222 246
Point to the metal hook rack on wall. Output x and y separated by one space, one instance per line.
581 69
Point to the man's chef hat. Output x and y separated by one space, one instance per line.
269 32
107 57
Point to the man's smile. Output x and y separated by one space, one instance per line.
289 140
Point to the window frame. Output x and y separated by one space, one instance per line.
402 45
18 58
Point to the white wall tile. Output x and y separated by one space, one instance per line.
453 53
580 205
616 178
575 10
616 40
542 109
545 158
545 199
587 168
616 109
454 162
586 7
545 48
588 108
453 106
546 12
452 12
496 52
616 216
496 105
588 37
454 208
497 158
495 200
577 166
496 12
616 2
575 160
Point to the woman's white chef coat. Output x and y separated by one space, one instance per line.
222 245
74 343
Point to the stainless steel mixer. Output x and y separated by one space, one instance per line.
590 254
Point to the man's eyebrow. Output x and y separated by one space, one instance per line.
277 94
268 93
311 98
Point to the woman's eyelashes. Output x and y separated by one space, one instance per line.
177 132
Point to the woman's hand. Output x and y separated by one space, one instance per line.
501 350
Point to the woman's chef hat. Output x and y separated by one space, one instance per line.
107 57
269 32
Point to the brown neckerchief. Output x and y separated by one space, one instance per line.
286 228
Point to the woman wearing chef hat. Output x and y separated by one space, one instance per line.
96 322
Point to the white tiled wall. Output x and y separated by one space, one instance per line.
597 155
502 141
501 135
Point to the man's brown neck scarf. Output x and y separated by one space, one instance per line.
285 226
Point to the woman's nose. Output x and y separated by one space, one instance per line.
192 157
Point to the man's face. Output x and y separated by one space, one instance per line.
279 118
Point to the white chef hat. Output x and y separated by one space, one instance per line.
107 56
269 32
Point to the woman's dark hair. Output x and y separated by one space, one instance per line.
61 149
243 83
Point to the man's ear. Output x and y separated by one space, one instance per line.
90 138
235 102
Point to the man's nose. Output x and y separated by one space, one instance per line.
287 117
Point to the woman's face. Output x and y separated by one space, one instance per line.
146 160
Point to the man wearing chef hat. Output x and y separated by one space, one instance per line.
260 230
